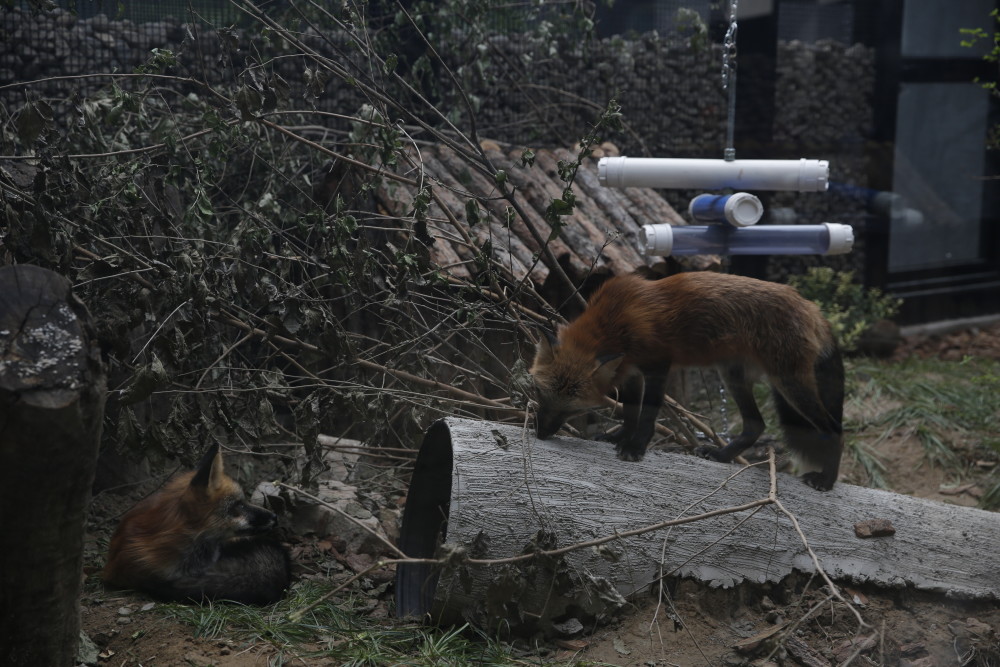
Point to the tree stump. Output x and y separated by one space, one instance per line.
491 491
52 392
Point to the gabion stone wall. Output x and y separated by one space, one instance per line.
56 43
824 111
670 92
541 92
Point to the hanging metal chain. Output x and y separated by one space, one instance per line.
729 79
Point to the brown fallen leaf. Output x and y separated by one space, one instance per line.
571 644
857 597
751 644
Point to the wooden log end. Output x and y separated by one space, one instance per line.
44 348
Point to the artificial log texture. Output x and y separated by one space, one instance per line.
493 492
52 390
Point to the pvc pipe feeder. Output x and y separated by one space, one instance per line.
705 174
823 239
741 209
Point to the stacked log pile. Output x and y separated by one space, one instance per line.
599 237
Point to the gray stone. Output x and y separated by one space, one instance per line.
87 652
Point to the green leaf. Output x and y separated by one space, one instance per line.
205 206
390 64
315 80
33 119
472 212
276 92
248 101
146 380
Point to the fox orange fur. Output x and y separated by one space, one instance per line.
634 330
197 538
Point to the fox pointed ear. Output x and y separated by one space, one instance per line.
606 366
209 469
546 348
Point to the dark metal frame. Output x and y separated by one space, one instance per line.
930 294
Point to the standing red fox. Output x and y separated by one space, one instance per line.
197 538
634 330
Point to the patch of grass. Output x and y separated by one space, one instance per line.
931 399
335 632
868 460
261 624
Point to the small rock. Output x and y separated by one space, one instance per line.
874 528
359 562
357 511
341 521
389 519
569 627
87 652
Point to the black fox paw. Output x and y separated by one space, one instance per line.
626 454
710 453
818 481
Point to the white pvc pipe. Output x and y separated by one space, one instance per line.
740 209
703 174
823 239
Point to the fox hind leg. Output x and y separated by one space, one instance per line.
819 447
811 419
740 386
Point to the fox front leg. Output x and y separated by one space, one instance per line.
640 422
631 399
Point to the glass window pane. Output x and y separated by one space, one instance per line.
940 145
927 24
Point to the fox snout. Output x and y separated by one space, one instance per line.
547 423
255 519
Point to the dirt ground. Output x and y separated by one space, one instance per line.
692 626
